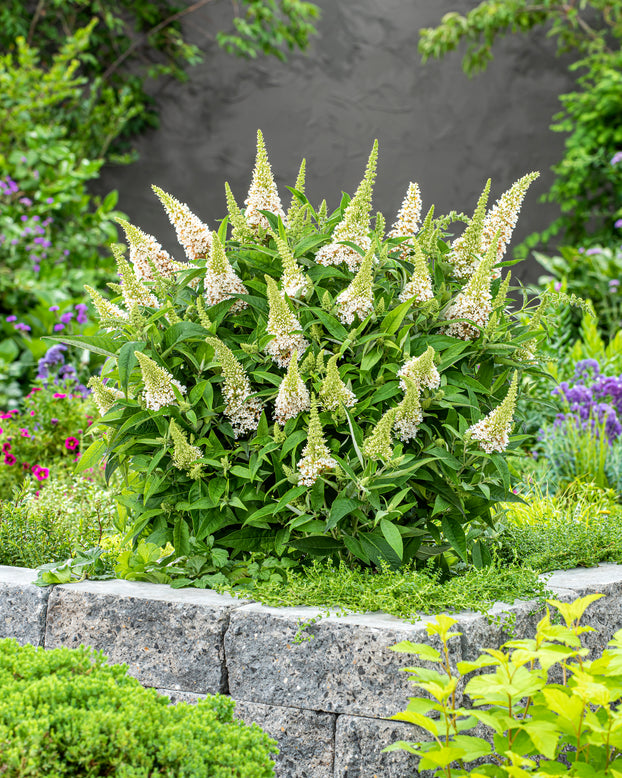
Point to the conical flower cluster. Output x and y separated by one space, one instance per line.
527 352
221 282
493 431
282 324
193 235
293 396
466 251
357 299
294 281
355 224
298 213
316 458
503 216
105 397
242 410
159 384
378 445
241 231
133 290
408 414
408 219
111 317
185 456
474 302
333 391
263 194
147 256
419 287
421 371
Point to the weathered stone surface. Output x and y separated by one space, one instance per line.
604 615
346 666
169 638
22 606
306 738
177 696
358 748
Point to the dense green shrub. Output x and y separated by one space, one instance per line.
576 527
67 713
255 418
588 180
547 709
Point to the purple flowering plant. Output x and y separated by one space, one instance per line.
585 438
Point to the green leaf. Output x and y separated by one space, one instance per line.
391 322
181 537
127 361
317 545
92 456
392 536
340 508
336 329
98 344
454 532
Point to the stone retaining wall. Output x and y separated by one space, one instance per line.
324 699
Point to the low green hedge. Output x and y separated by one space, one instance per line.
66 712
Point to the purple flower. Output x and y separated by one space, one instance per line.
557 286
53 308
25 201
59 327
49 200
618 223
23 327
591 252
614 283
23 217
66 317
14 242
11 318
617 157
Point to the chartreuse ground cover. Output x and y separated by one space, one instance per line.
544 705
308 386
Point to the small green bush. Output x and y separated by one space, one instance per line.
578 527
67 713
540 727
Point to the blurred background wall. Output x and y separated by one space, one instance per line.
362 79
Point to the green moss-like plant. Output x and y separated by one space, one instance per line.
66 712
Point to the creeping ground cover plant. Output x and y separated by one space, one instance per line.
308 384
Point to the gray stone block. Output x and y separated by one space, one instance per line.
23 606
346 666
358 748
170 638
177 696
306 738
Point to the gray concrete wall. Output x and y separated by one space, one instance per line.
326 699
362 79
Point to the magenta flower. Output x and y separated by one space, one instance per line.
24 432
6 447
25 466
11 318
58 396
42 474
9 459
71 443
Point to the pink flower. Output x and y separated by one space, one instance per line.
32 413
6 447
24 432
25 466
58 396
9 459
43 473
71 443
